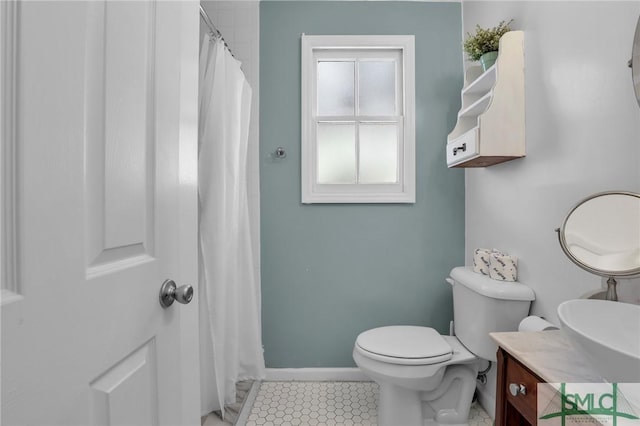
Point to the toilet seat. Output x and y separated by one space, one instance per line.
405 345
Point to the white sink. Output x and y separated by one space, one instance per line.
609 333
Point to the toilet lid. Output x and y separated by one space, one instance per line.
405 341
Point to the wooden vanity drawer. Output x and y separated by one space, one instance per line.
521 381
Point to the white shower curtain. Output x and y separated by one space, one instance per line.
230 328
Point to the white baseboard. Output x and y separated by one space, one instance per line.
488 402
316 375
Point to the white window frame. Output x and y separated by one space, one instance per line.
341 47
9 289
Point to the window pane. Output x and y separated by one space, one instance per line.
336 88
377 86
336 153
378 153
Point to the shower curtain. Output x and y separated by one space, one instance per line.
230 329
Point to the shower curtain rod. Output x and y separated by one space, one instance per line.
213 30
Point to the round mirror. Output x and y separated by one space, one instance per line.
635 62
602 234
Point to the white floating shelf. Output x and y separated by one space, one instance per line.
490 127
483 83
478 107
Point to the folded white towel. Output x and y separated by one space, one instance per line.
503 267
481 261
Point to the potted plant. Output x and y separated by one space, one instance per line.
483 46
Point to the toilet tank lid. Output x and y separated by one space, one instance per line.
494 289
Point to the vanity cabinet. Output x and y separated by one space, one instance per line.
516 395
490 126
527 358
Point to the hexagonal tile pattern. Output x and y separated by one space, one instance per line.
315 403
479 417
326 403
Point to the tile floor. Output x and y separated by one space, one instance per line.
232 411
325 403
314 403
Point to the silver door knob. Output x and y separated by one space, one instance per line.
170 292
517 389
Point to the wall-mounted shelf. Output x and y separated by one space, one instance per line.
478 107
490 127
482 83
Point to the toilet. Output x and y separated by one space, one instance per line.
429 379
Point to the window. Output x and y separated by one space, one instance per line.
358 131
8 239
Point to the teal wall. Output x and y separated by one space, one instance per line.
330 272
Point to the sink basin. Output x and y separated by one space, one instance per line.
609 334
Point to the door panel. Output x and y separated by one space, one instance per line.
111 401
105 212
128 139
120 69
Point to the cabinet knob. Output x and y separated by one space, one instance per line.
517 389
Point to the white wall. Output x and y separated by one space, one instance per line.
582 137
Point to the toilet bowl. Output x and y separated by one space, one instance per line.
429 379
415 376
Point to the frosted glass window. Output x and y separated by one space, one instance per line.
336 84
377 87
336 153
378 153
357 119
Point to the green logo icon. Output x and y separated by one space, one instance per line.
585 403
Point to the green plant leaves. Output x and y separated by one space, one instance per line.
485 40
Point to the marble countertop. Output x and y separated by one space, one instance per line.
549 354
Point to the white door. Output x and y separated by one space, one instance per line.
99 207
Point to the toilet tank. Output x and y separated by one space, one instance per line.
482 305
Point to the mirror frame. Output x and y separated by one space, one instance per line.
634 63
565 247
